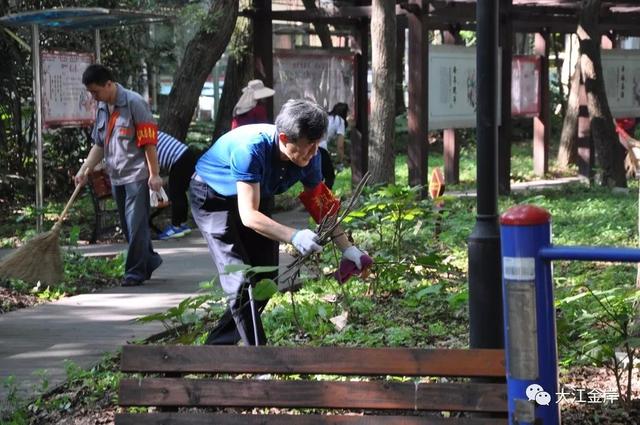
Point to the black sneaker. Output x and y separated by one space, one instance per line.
131 282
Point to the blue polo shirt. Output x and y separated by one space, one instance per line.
251 154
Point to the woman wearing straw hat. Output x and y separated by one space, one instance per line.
250 109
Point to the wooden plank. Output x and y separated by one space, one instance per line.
319 360
238 419
378 395
475 397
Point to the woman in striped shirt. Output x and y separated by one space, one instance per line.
176 158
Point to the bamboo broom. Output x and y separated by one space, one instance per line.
40 258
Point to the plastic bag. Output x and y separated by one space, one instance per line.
159 198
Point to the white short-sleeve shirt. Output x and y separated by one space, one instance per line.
335 128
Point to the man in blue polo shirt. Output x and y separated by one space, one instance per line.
232 198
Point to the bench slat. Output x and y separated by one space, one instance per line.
237 419
378 395
313 360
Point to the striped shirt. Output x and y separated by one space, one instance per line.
169 150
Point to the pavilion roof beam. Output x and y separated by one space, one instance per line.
527 15
348 14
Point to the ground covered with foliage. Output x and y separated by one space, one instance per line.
416 296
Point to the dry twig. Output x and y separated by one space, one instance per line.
325 233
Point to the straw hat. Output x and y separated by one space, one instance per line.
254 91
259 90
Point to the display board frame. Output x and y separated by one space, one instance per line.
65 100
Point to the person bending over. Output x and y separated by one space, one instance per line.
176 159
232 198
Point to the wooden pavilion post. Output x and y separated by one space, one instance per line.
263 48
418 148
360 137
504 130
542 122
451 147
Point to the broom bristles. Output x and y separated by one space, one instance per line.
39 259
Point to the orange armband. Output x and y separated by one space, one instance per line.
146 134
320 202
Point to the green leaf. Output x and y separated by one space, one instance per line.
459 299
428 260
572 298
634 342
263 269
431 289
233 268
264 290
151 318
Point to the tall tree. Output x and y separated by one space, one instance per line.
322 29
401 108
567 153
201 54
610 151
239 71
383 64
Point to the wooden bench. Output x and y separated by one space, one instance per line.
207 377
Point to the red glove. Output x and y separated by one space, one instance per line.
349 264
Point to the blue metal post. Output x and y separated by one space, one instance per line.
529 317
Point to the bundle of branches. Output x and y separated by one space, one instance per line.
324 230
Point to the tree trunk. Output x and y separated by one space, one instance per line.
321 29
558 64
567 153
201 54
237 75
610 151
381 133
401 108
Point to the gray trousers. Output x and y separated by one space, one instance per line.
132 200
231 242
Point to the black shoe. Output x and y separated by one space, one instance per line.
131 282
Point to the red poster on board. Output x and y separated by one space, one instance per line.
525 86
65 101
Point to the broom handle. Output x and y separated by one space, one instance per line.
74 195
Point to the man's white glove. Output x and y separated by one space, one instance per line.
353 254
305 241
157 197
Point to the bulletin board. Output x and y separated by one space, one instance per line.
65 101
621 70
525 86
326 77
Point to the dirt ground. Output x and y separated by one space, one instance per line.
12 300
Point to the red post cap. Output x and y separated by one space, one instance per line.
525 215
